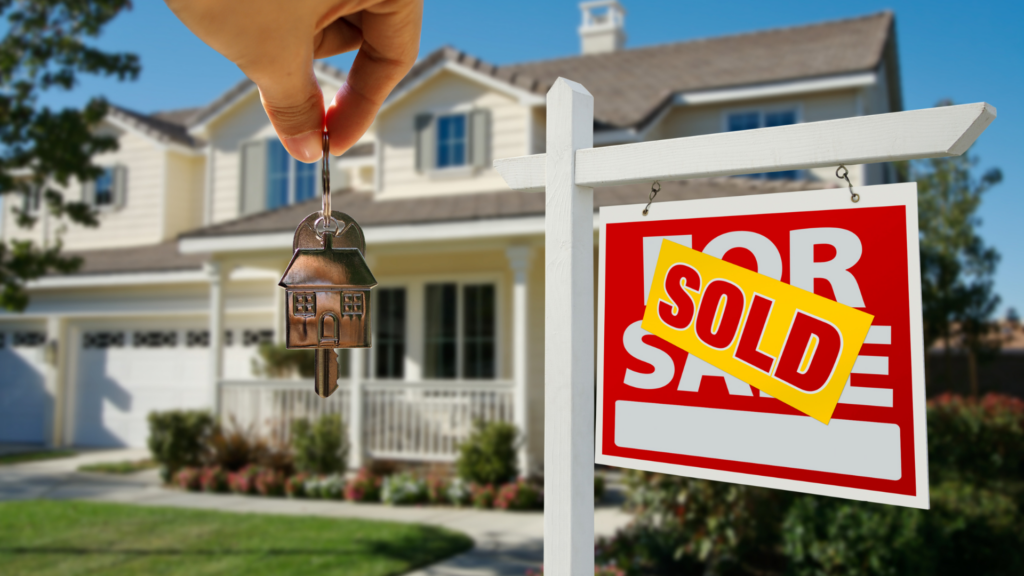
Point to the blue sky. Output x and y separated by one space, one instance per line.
966 52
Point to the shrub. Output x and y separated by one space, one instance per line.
330 487
244 481
188 478
233 448
295 486
482 495
365 487
437 489
599 486
176 439
270 482
320 447
488 456
277 361
214 479
458 492
403 488
520 495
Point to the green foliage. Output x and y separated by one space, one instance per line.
404 488
232 448
45 47
320 447
122 467
365 487
519 495
18 458
488 456
277 361
177 439
975 525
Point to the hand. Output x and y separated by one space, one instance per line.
274 43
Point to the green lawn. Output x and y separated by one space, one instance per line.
123 467
33 456
50 537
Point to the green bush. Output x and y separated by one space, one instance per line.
488 456
320 447
277 361
177 437
404 488
975 525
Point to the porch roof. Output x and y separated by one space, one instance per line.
482 206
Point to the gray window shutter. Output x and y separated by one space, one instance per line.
426 141
253 191
479 137
88 193
120 186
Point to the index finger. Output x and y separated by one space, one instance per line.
391 38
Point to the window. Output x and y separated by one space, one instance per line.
473 348
441 331
389 348
288 180
104 193
451 141
478 331
764 119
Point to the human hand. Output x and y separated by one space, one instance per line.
274 43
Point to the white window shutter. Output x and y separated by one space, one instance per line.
426 142
479 137
253 193
120 185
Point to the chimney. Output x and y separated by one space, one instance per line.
603 26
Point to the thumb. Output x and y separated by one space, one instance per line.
295 105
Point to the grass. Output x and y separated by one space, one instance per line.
123 467
33 456
43 537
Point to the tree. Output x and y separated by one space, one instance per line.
956 265
42 151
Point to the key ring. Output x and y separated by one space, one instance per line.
326 221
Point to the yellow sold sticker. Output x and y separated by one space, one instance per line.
790 343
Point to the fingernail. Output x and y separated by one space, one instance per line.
306 147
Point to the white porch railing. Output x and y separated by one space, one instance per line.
401 420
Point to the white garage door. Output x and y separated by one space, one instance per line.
125 374
23 398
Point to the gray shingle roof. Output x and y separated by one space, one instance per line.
163 257
485 205
630 86
165 126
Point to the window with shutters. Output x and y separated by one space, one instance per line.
450 141
271 178
108 190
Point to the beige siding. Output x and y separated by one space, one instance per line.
443 93
138 222
184 199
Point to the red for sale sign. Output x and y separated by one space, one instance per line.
662 409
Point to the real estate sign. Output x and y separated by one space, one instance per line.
820 260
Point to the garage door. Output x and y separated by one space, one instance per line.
23 398
124 374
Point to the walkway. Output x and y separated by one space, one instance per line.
507 543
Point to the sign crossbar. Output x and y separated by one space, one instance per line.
930 133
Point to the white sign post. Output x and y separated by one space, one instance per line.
570 170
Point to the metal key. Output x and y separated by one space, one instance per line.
327 287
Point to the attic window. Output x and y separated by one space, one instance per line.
109 190
451 141
753 119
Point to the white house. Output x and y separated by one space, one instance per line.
199 206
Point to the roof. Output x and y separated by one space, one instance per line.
163 257
631 86
342 268
485 205
167 126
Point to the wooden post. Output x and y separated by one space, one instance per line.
568 337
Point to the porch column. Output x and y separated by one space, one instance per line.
519 260
215 274
55 355
357 369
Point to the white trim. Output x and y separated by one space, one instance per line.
524 97
776 89
120 280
